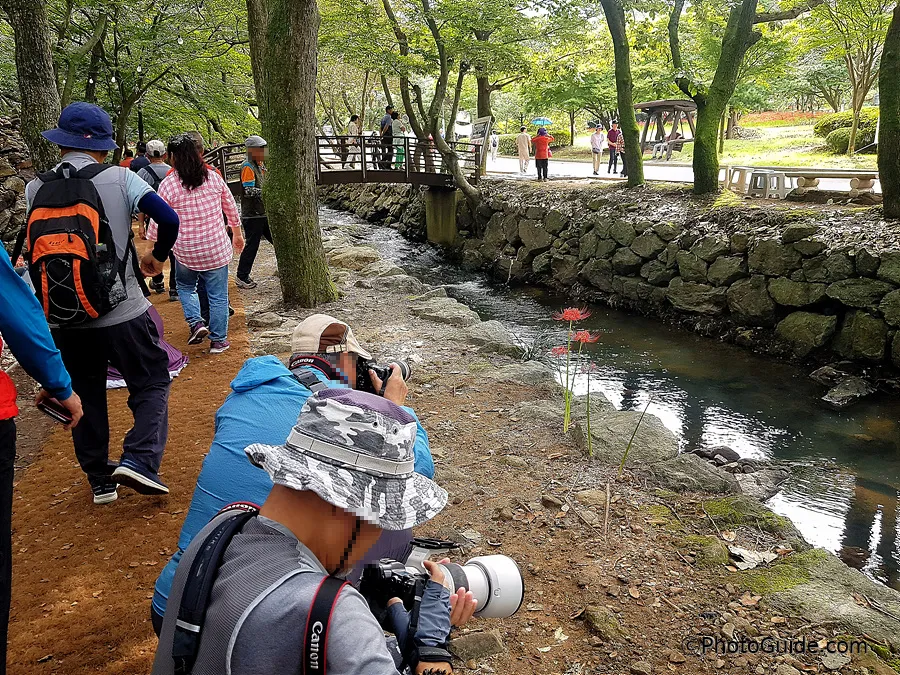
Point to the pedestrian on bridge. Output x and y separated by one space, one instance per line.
354 140
386 132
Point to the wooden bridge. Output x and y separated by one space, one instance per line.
366 159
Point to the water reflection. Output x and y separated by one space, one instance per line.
843 495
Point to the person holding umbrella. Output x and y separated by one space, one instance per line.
541 144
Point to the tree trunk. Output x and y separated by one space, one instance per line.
90 87
733 120
854 129
634 161
722 132
257 22
37 80
889 133
483 85
571 127
288 99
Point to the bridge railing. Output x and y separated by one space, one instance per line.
373 159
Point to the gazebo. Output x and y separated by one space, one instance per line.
672 112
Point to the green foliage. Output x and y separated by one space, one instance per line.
868 121
839 140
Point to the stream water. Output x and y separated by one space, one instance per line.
844 490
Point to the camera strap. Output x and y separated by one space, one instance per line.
315 635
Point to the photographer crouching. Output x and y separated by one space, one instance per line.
278 603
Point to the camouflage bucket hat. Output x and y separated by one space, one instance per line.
355 450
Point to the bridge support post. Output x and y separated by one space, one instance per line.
440 215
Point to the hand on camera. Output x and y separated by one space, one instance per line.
396 391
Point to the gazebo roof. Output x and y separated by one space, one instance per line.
667 104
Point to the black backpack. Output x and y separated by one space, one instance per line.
72 259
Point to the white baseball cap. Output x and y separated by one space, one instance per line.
156 148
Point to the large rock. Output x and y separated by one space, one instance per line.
866 263
535 239
690 267
476 645
773 258
657 273
541 263
354 257
861 293
490 336
395 284
762 484
565 269
599 274
381 268
648 245
889 269
625 261
798 231
847 392
699 298
726 270
828 268
806 331
623 232
750 301
690 473
603 623
862 336
445 310
710 247
667 231
555 222
795 293
264 320
890 308
611 432
552 411
529 373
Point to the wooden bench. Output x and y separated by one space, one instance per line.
861 181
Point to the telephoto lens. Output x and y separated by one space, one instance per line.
495 581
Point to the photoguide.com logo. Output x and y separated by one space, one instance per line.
705 644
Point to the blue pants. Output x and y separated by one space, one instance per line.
216 283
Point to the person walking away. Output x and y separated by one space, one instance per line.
353 142
141 161
612 138
495 145
153 174
119 331
200 197
23 325
598 142
127 159
253 210
541 144
398 134
523 147
386 132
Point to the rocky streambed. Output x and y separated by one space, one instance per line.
622 572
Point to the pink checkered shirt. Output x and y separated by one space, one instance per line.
202 243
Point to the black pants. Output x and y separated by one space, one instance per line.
254 230
541 165
158 279
133 348
624 168
387 152
613 161
7 464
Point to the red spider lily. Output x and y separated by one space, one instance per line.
562 350
572 314
585 337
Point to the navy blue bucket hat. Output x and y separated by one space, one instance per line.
82 126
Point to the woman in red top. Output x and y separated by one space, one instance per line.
541 144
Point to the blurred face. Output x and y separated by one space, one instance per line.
257 154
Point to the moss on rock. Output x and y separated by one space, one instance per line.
739 510
781 576
709 551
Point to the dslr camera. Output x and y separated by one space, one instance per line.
495 580
364 380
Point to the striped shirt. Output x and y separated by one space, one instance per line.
202 242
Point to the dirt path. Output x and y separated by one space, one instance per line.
83 574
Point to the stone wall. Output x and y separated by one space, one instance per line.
15 172
812 284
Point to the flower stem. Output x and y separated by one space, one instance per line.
568 391
589 439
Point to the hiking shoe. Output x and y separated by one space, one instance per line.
244 283
173 296
139 478
198 332
160 287
219 346
104 489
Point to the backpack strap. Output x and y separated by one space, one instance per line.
198 587
315 635
92 170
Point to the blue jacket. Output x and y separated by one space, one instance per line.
262 408
23 326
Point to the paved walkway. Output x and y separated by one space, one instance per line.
508 167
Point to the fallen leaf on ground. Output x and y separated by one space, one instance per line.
728 535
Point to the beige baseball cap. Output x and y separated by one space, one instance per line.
156 148
321 333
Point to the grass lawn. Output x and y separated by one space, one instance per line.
777 146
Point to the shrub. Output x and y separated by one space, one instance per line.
839 139
868 120
507 146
